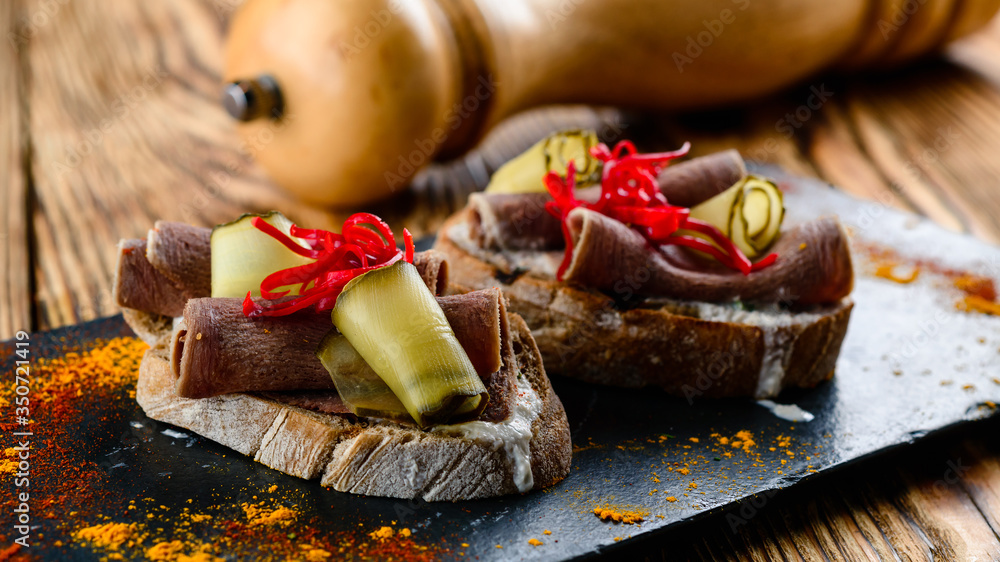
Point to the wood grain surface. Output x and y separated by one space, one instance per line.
109 120
16 286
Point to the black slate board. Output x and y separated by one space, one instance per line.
911 364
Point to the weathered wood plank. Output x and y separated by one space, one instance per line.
852 513
935 502
980 477
15 288
126 128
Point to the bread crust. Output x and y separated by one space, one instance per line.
586 335
366 456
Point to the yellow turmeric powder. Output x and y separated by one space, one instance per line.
382 534
888 271
257 515
8 466
743 440
198 557
108 535
625 516
164 550
317 555
974 303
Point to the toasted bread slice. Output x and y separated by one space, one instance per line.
687 348
529 450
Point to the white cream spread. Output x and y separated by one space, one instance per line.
779 329
513 434
772 365
790 412
540 264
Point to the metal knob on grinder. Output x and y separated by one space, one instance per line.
247 100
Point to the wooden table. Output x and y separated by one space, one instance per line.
109 120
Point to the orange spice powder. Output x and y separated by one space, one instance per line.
889 271
620 514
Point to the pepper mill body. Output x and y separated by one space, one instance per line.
370 92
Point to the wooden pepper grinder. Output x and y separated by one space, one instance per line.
343 101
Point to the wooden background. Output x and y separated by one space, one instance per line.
109 120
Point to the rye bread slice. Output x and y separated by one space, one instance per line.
688 348
365 455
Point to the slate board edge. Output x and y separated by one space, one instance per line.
831 471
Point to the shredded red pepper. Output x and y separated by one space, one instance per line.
366 242
629 194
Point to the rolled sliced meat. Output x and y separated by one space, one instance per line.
141 286
814 265
183 254
479 320
697 180
163 279
518 221
432 266
514 221
221 351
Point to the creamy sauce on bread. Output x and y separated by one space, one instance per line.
513 434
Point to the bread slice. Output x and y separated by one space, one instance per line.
370 456
689 349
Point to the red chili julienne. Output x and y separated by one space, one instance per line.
366 242
629 194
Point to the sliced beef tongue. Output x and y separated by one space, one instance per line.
141 286
433 268
220 351
479 320
183 254
518 221
174 264
697 180
514 221
161 273
814 265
